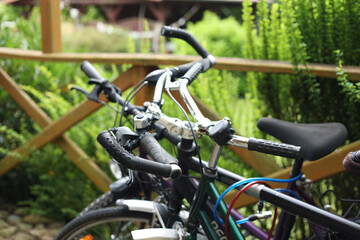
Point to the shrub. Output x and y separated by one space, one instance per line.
47 181
301 32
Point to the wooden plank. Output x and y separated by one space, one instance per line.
76 154
57 128
51 26
25 102
234 64
84 163
260 162
316 171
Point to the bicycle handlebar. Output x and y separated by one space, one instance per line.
155 150
274 148
184 35
165 164
352 162
193 72
90 71
356 156
109 143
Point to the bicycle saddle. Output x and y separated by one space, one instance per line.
316 140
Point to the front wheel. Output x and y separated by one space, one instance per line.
107 199
107 223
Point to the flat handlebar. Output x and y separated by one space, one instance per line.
184 35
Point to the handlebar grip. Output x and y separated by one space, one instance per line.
186 36
179 71
155 150
352 162
109 143
274 148
90 70
193 72
154 76
356 156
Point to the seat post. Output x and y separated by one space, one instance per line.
296 169
287 220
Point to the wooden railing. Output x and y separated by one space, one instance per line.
233 64
143 64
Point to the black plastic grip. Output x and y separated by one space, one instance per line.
193 72
274 148
90 70
155 150
352 162
109 143
184 35
154 76
355 156
179 71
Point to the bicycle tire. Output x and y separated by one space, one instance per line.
111 218
107 199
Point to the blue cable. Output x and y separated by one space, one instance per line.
235 185
281 190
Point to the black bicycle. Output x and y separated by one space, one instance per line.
188 211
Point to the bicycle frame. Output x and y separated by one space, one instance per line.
187 188
289 204
209 225
201 211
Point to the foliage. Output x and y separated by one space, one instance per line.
92 14
352 90
96 41
216 35
25 34
220 41
47 180
301 32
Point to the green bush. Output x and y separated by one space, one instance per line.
221 37
301 32
96 41
47 181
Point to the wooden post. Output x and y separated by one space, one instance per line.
55 129
77 155
51 26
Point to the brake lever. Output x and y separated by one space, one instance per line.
83 91
97 81
93 95
131 177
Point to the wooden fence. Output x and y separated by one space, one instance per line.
143 64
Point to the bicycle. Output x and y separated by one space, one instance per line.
171 213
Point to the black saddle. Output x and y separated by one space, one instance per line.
316 140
